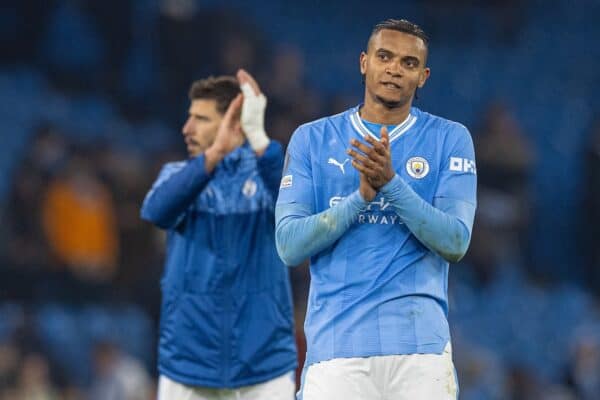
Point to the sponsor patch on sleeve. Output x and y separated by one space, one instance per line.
459 164
286 182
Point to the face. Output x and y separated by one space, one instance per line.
201 127
394 67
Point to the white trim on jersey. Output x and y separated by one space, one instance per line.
395 133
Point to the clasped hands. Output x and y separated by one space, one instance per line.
374 163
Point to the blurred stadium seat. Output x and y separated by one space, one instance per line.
540 59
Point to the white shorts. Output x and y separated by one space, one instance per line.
395 377
280 388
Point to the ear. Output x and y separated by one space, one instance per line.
424 76
363 62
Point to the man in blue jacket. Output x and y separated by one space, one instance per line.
226 329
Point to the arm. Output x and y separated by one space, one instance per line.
268 152
444 227
176 188
173 192
300 235
300 232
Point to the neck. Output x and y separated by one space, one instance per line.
375 110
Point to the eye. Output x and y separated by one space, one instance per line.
411 63
383 56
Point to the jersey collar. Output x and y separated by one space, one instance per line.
394 134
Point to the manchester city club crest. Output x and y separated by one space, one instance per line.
417 167
249 188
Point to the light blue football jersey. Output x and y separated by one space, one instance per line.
377 290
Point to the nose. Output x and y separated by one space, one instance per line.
394 69
186 129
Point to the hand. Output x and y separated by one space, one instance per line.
244 77
366 190
253 112
374 161
229 136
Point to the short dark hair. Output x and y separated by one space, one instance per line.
223 89
401 25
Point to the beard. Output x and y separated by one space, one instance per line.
404 98
389 104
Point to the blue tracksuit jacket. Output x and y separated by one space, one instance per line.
227 316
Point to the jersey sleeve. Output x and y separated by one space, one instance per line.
458 175
296 185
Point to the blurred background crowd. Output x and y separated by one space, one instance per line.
92 98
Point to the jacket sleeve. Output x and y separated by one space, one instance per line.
270 166
177 186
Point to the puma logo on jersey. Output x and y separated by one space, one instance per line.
338 164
